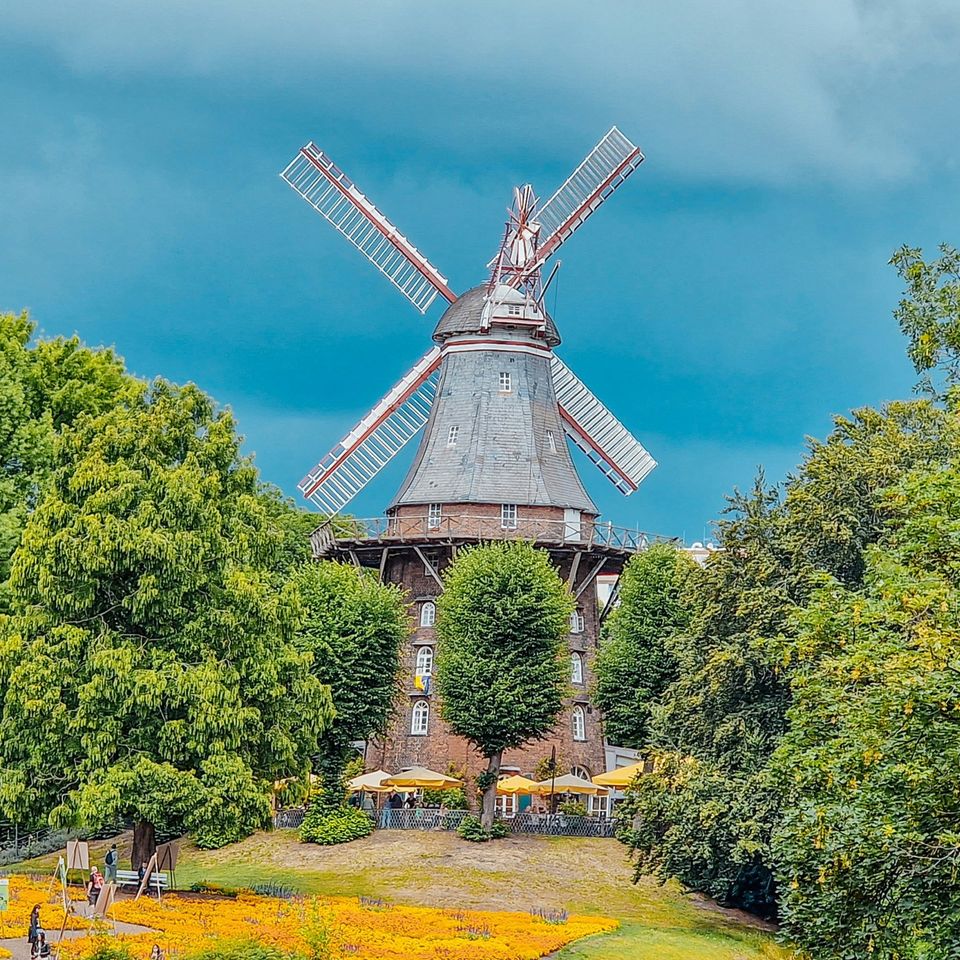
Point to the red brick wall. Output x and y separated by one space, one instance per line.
439 748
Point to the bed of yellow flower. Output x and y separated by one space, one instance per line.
25 894
321 926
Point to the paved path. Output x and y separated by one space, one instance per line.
20 949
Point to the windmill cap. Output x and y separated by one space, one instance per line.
465 315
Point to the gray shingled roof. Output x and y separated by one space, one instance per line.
464 316
503 452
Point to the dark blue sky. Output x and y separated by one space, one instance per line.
729 299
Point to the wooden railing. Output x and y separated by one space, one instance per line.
583 533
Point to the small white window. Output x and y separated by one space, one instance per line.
579 724
551 441
452 435
428 613
506 806
434 515
576 668
431 561
424 662
576 621
506 382
508 516
420 721
514 309
582 772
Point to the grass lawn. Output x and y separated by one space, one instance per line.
518 873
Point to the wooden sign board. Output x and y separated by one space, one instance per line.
108 893
78 855
167 855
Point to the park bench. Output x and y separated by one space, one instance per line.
158 881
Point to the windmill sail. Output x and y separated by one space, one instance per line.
375 440
610 162
332 194
598 433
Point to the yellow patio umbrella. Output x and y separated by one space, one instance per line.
421 777
620 778
569 783
517 785
372 783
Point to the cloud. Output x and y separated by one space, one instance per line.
745 90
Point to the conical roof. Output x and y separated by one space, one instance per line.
465 315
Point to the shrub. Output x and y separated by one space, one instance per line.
234 950
455 799
472 829
573 808
110 951
340 824
204 886
278 890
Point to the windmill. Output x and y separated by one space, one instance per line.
493 403
494 397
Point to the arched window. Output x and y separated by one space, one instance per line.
576 621
428 613
424 661
420 721
582 772
579 724
576 668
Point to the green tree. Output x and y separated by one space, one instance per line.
869 844
929 312
502 672
353 626
635 663
833 507
44 387
705 815
149 669
709 812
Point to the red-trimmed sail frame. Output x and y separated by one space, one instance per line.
610 162
335 197
376 439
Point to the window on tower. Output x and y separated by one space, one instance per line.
424 666
579 724
514 309
506 381
452 436
434 515
420 719
576 668
508 516
576 621
428 613
551 441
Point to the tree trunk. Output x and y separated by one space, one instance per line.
489 807
144 844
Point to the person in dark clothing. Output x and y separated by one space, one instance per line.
394 803
41 948
34 932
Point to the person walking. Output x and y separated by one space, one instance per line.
110 864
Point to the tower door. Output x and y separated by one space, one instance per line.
571 525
